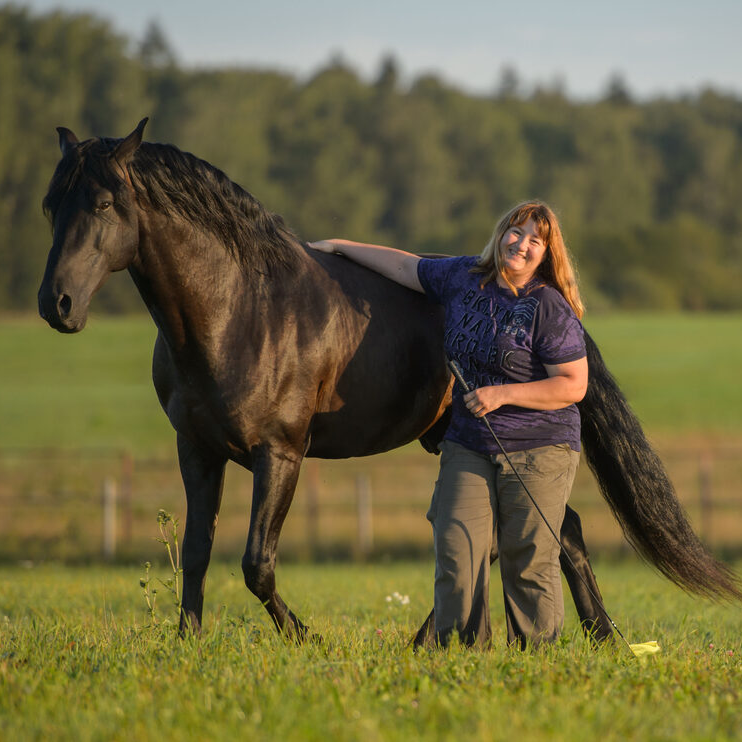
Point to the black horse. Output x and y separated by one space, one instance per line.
268 352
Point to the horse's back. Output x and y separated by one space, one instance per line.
390 382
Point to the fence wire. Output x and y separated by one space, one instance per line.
93 504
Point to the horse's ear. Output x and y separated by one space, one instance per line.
126 148
67 140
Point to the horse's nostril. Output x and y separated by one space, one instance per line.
65 305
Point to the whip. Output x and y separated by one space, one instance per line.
650 647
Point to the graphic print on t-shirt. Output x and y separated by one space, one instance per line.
475 339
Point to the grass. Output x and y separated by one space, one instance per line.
679 371
69 405
78 661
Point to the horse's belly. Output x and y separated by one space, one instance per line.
364 430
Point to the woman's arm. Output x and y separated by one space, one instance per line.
566 384
398 265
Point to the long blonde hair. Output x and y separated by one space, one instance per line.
556 268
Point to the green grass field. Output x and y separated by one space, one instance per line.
680 373
79 661
92 393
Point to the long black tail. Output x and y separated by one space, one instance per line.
633 480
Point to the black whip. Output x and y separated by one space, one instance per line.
460 378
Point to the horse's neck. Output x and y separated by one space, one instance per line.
193 288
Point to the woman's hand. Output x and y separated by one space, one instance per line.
485 399
565 384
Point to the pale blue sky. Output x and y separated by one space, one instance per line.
658 47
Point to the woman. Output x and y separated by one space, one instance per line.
513 325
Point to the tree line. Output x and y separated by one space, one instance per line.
648 191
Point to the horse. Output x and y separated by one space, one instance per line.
269 352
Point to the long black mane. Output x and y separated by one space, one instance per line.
181 185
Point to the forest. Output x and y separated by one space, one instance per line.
648 191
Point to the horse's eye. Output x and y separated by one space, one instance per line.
104 205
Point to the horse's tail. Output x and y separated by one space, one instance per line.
633 480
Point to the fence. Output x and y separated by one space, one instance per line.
102 503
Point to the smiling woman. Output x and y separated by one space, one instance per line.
526 240
512 324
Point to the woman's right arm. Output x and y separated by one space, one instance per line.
398 265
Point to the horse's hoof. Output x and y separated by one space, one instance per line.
298 633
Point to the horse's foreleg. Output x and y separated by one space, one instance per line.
203 478
588 602
275 477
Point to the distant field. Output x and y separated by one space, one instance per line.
90 389
78 661
680 372
69 405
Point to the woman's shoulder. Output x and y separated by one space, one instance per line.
445 265
442 276
551 302
547 293
451 261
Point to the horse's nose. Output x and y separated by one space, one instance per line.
64 306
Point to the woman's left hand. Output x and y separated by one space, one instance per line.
485 399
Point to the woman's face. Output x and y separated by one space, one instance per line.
522 250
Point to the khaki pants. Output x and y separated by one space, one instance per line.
479 501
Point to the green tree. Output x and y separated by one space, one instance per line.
648 192
67 70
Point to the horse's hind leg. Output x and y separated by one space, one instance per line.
203 478
589 602
274 481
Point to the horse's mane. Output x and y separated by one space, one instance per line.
178 184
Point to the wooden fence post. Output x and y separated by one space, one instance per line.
705 472
365 516
127 476
109 518
311 469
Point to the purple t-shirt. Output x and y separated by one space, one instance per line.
499 338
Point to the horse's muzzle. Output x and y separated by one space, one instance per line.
57 310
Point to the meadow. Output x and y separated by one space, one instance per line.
680 373
81 657
73 406
81 660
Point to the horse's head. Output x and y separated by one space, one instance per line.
95 227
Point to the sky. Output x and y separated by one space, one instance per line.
666 47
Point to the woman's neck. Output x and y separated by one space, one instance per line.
518 283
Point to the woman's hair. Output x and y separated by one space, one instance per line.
556 268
